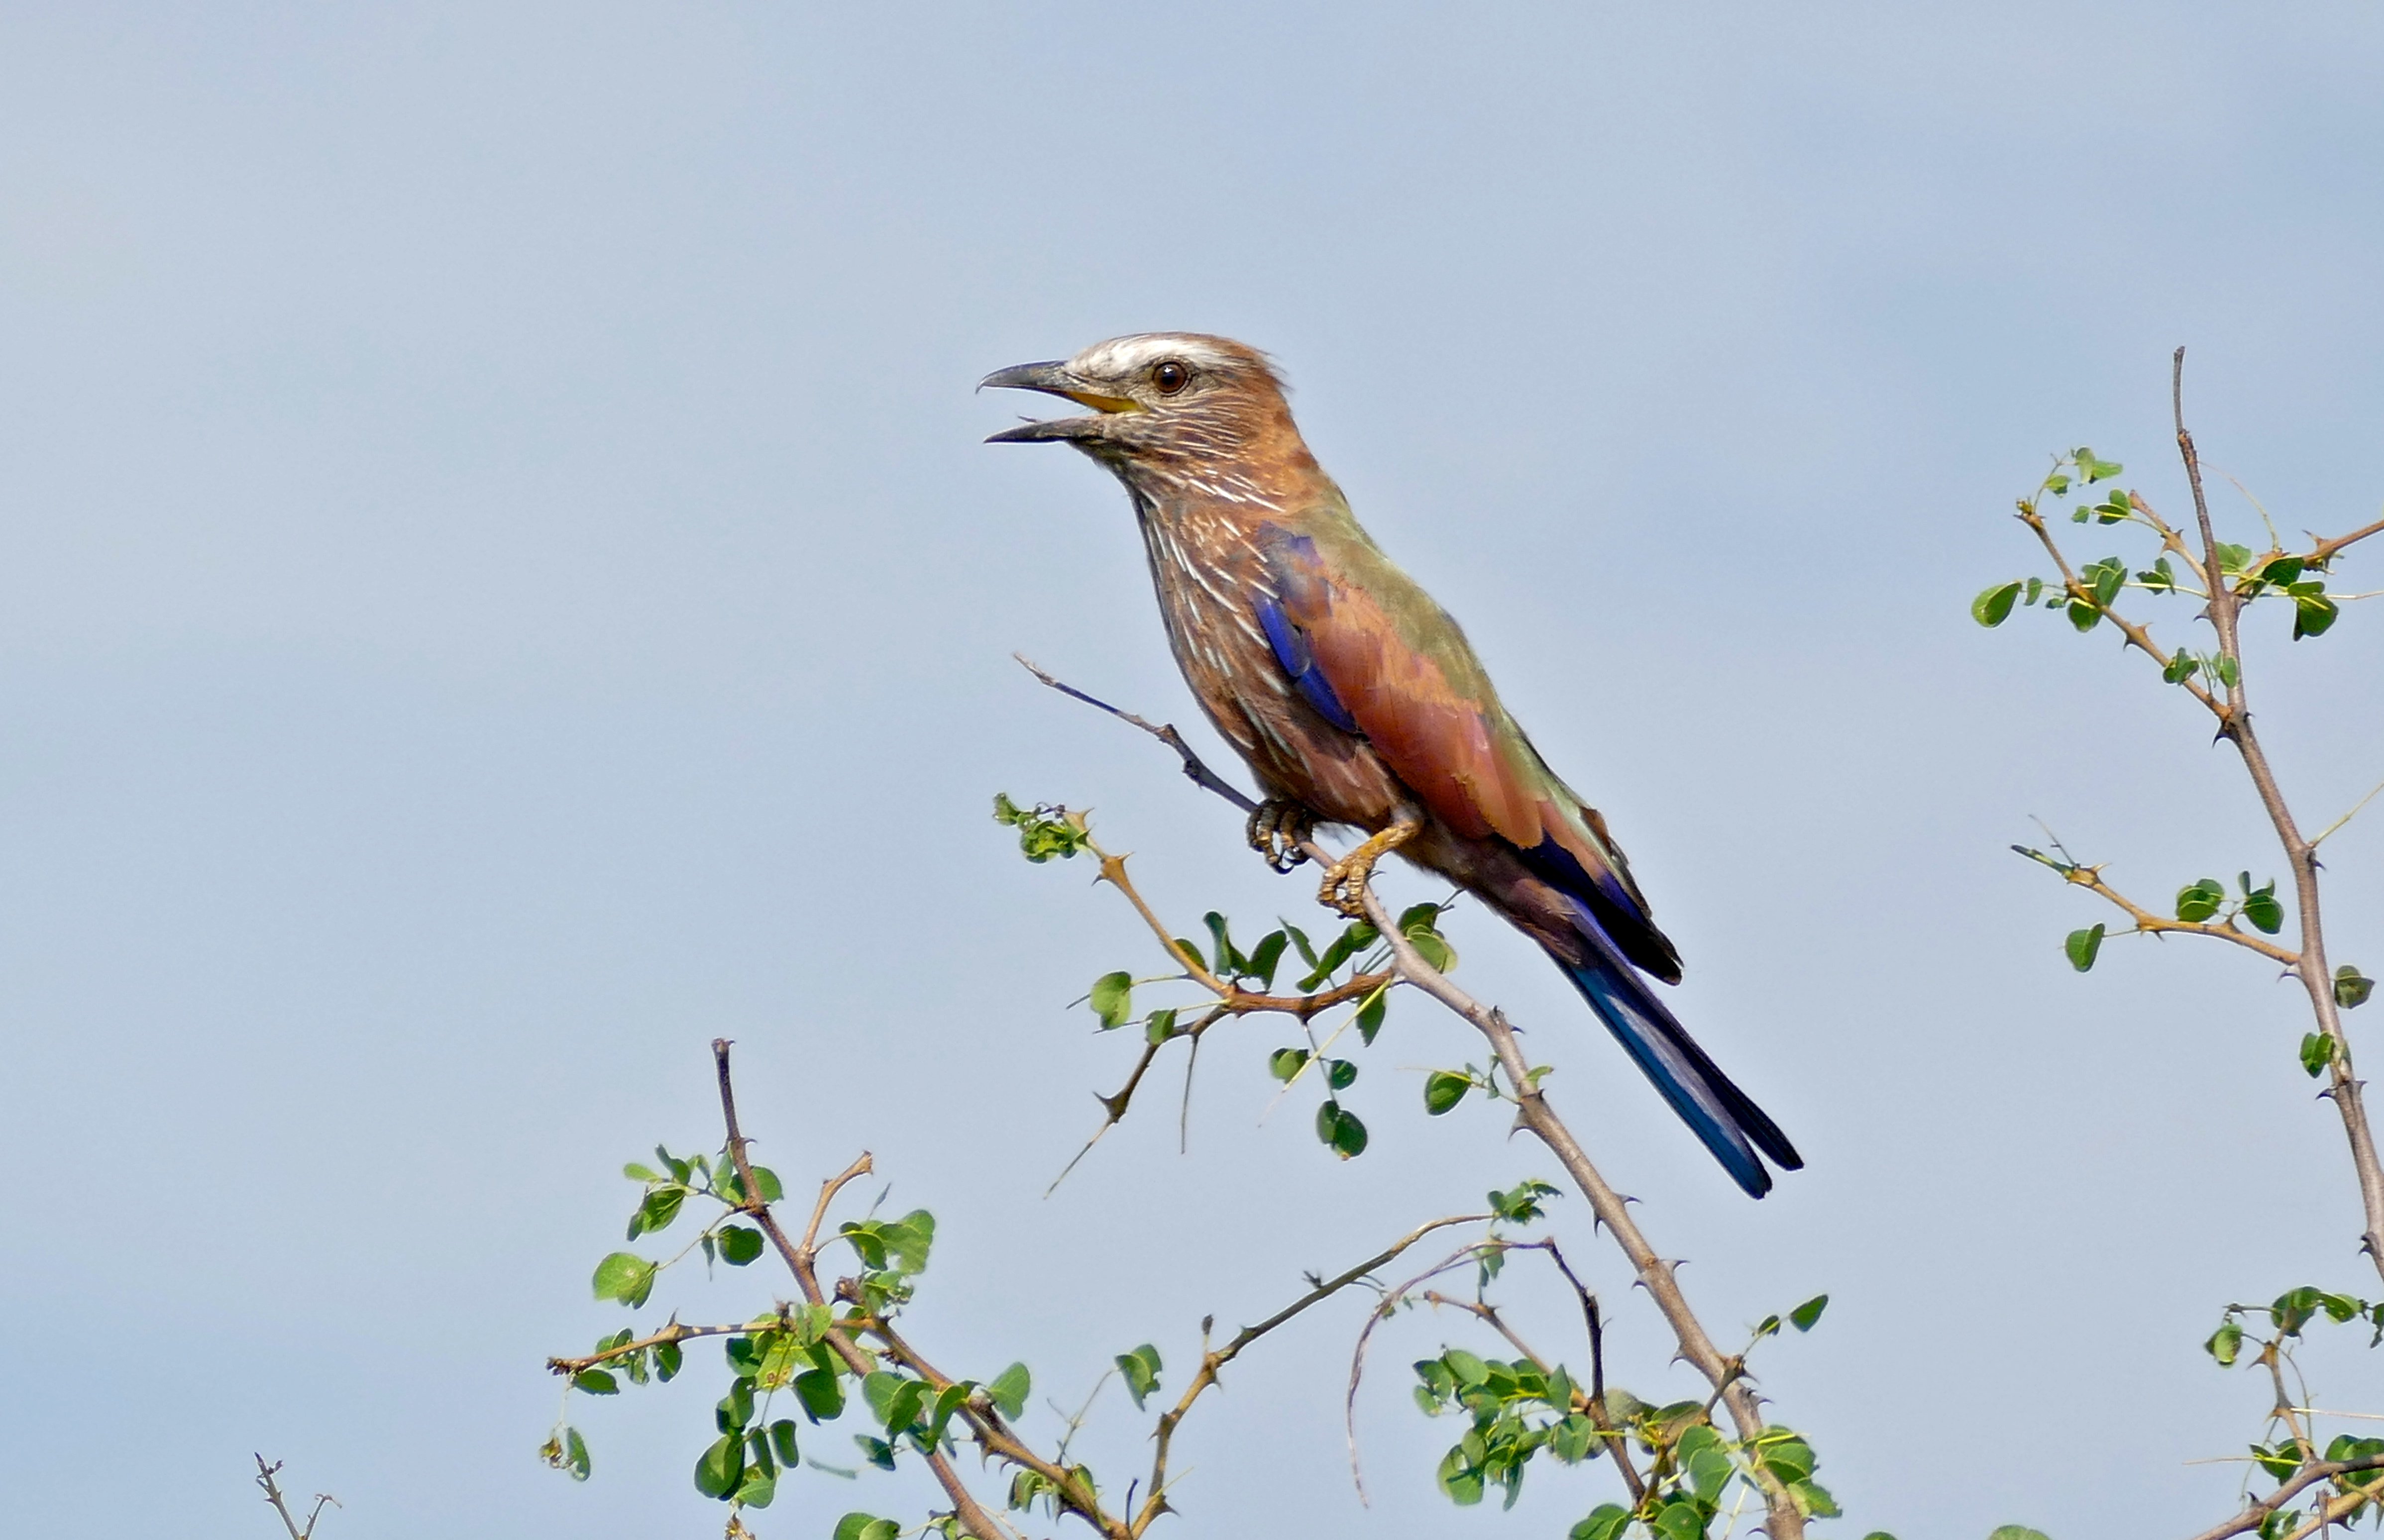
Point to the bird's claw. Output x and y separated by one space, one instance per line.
1344 888
1278 827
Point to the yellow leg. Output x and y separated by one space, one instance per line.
1277 827
1346 877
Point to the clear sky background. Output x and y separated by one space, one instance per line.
499 584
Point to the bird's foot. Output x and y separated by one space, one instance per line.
1345 880
1278 827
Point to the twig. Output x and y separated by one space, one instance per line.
2151 923
2344 1085
1783 1521
971 1514
1199 773
265 1475
2293 1486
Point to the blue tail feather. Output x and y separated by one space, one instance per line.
1724 1117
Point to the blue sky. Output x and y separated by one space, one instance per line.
501 585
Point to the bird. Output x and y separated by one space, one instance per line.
1356 701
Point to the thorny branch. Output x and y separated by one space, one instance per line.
2225 698
2309 1475
2300 854
265 1475
2151 923
1725 1373
1069 1485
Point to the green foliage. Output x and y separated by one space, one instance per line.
1443 1089
1112 998
1008 1390
2082 946
1520 1203
1340 1130
1043 830
2352 987
567 1452
1139 1370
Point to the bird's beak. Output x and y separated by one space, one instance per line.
1054 379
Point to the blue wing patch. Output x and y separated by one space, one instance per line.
1291 649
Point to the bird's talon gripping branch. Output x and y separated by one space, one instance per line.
1345 880
1278 827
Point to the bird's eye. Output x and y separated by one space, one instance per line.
1170 377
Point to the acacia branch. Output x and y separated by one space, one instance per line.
1726 1375
971 1514
2300 1481
2345 1086
2137 636
2151 923
265 1475
2323 551
1212 1360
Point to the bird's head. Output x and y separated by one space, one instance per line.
1162 401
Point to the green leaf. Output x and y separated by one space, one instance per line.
2181 666
782 1438
902 1408
1159 1027
2260 907
740 1245
2083 616
667 1358
877 1451
765 1182
1043 831
1340 1074
2081 947
861 1526
736 1408
2224 1343
1339 1127
2110 575
1443 1089
2352 987
2317 1052
1993 606
822 1394
2015 1532
1230 960
2228 670
1139 1369
1284 1062
1010 1389
1606 1521
1112 998
637 1172
1804 1316
2233 558
1299 941
2197 901
1370 1015
2313 615
575 1455
624 1276
1267 956
596 1382
721 1467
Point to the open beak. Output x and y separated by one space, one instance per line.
1053 379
